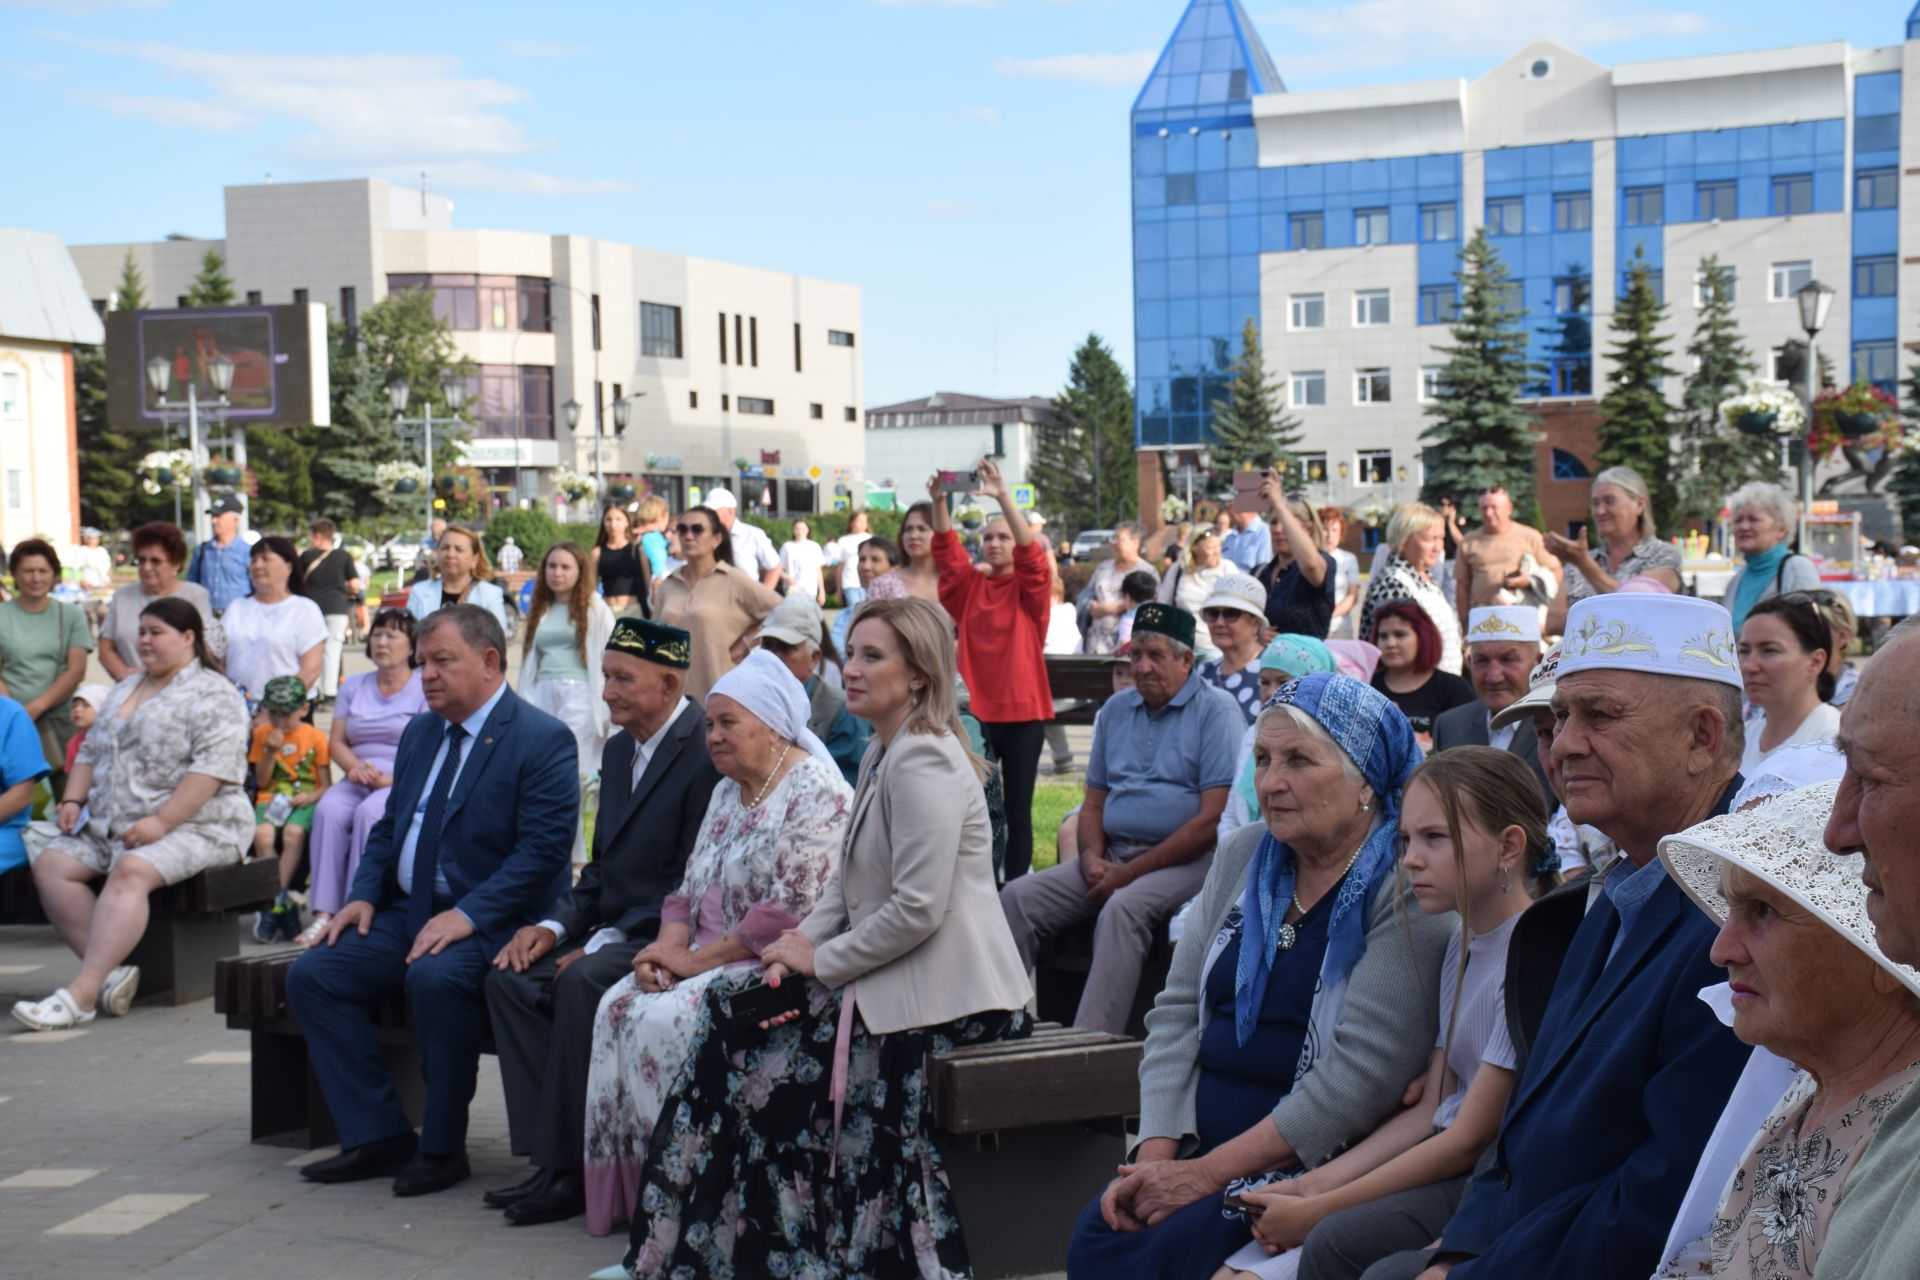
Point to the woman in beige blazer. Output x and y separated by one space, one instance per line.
911 955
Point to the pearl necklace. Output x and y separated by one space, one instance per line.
768 784
1288 934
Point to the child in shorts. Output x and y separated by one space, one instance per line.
291 770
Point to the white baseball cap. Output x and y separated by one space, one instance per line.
720 500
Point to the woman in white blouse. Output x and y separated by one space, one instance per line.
1784 645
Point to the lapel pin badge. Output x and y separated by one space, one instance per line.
486 742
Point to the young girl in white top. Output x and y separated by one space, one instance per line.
567 629
1474 832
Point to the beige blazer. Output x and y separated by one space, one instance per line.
912 915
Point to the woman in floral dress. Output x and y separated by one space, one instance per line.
802 1146
765 851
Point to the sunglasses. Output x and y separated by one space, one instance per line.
1223 615
690 530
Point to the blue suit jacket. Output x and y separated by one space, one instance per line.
1626 1080
508 839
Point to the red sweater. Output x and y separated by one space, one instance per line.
1003 629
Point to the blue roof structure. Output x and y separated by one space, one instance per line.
1214 57
1913 23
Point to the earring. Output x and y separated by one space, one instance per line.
1505 883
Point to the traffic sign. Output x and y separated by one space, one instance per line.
1023 496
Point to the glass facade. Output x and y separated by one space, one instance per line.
1875 314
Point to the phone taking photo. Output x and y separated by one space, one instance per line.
959 481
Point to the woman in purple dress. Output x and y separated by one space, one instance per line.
369 716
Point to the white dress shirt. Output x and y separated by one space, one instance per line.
473 724
1501 739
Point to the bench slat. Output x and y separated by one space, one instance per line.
1069 1084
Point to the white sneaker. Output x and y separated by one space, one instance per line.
56 1013
116 993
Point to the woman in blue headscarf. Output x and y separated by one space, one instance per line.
1300 1003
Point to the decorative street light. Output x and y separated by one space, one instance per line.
1814 300
454 391
160 381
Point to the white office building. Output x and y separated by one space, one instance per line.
948 431
737 375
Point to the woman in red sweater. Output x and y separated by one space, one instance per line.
1002 618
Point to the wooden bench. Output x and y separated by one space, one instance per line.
1030 1129
1084 679
190 925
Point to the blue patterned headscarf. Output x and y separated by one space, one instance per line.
1377 738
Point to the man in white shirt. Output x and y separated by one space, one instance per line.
655 781
753 552
845 552
1503 644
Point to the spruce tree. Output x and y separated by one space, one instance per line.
1636 420
131 293
1903 486
1482 435
1716 459
109 460
1251 423
211 288
1083 455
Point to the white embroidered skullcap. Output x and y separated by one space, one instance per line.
1782 842
1517 624
1661 635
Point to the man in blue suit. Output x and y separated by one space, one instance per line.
475 843
1630 1070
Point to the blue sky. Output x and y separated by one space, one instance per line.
964 161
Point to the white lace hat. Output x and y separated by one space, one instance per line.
1780 842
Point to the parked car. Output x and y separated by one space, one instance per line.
400 553
1091 542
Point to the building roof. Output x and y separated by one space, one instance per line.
953 409
1214 57
41 297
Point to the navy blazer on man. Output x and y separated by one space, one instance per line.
1608 1119
507 842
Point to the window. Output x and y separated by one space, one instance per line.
1307 231
796 349
1874 277
816 411
300 297
1716 201
1312 467
1373 466
693 399
10 393
1573 211
16 490
1573 376
1876 363
1876 189
253 297
1181 188
1645 207
1730 292
1876 133
839 338
349 309
469 303
853 414
1506 216
1307 311
1786 278
1438 303
754 404
1439 222
1572 296
594 300
1568 466
723 340
1370 226
1431 378
1656 284
1786 365
726 402
1307 388
753 340
1372 307
660 331
1792 194
1372 386
534 297
739 339
513 400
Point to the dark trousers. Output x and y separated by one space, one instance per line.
543 1026
330 988
1018 744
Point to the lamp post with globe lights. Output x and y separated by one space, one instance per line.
454 391
1815 300
187 412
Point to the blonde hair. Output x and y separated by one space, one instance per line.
1627 480
1308 517
925 634
654 508
482 567
1410 521
1193 540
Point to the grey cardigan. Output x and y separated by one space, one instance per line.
1385 1036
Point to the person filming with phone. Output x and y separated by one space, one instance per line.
906 954
1300 577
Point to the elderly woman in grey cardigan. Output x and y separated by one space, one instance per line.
1302 996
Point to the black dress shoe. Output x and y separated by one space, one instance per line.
427 1173
564 1197
380 1159
519 1191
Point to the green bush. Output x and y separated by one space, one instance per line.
531 530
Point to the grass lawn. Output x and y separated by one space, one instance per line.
1051 800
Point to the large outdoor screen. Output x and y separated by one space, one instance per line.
279 369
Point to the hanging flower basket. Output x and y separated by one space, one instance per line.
449 483
165 469
408 485
1862 416
622 492
400 477
223 474
573 484
1173 510
1765 409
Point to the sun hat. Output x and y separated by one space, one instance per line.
1539 694
1782 843
1240 591
1515 624
795 620
94 695
1659 635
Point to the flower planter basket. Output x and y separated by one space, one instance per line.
163 477
225 476
1757 424
449 483
1856 426
621 492
406 486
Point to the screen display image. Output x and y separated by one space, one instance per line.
279 358
190 342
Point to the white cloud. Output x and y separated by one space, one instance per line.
984 115
1376 34
372 112
1110 70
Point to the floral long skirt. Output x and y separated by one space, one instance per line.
736 1181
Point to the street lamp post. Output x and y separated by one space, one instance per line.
1815 300
220 373
455 391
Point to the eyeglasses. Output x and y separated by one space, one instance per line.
1223 615
690 530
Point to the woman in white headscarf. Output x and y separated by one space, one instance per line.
765 852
